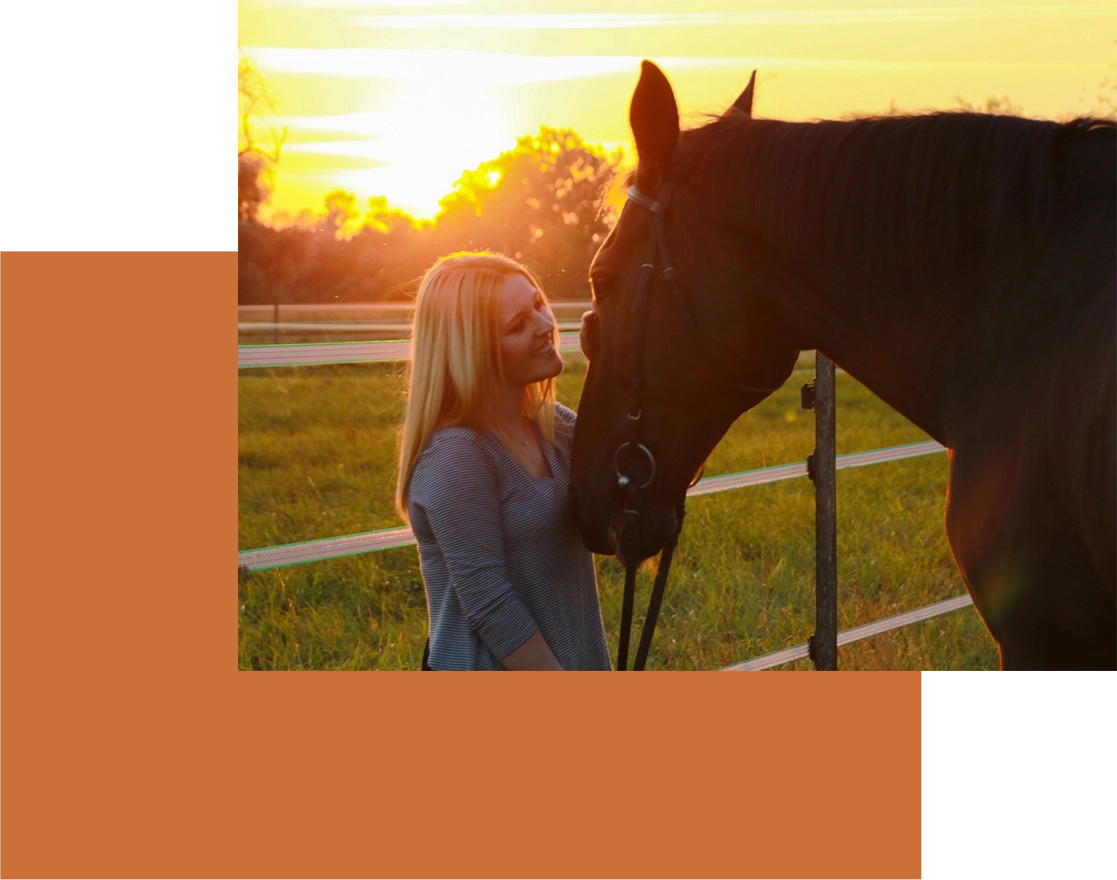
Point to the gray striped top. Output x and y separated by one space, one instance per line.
500 553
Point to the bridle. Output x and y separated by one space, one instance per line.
631 483
633 461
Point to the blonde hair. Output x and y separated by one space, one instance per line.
455 368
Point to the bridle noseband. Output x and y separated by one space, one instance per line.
632 453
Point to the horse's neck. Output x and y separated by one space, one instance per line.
893 346
900 366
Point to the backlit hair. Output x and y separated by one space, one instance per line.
455 369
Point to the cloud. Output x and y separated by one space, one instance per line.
498 68
333 127
493 68
804 16
472 69
334 155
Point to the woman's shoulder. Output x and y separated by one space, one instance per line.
452 434
452 447
564 415
457 460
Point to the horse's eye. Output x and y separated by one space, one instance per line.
600 282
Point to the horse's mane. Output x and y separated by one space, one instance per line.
925 196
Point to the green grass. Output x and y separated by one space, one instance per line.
317 460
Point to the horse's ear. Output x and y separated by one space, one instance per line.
654 117
744 101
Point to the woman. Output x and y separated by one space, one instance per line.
484 476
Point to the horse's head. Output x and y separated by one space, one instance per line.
678 346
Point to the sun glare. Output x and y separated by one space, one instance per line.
431 131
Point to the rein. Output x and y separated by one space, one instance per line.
633 462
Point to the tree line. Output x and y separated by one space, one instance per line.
544 202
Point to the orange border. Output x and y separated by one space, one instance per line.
135 748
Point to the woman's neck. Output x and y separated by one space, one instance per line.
505 411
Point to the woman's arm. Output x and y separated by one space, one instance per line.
456 487
535 653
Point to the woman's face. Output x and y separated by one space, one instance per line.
527 334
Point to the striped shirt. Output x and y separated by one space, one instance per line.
500 553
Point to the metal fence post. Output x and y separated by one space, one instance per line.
275 323
824 642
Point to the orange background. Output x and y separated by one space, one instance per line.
133 746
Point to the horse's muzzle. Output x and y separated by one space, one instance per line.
656 527
601 523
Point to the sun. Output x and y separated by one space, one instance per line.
431 130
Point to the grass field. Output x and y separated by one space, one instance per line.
317 449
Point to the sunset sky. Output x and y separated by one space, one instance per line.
398 98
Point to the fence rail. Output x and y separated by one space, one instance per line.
374 308
788 655
386 320
385 539
317 353
403 328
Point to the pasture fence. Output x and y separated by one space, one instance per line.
375 319
820 467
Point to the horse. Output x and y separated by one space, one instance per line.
959 265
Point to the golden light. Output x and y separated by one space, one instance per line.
398 99
430 131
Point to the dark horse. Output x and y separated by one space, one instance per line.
960 265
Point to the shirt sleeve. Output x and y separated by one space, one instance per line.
456 486
564 428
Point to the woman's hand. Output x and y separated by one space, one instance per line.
587 336
535 653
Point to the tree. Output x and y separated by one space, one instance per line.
341 213
253 98
254 162
252 190
540 202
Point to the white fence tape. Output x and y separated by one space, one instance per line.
317 353
852 635
366 542
399 327
379 308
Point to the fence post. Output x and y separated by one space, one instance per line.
824 642
275 324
